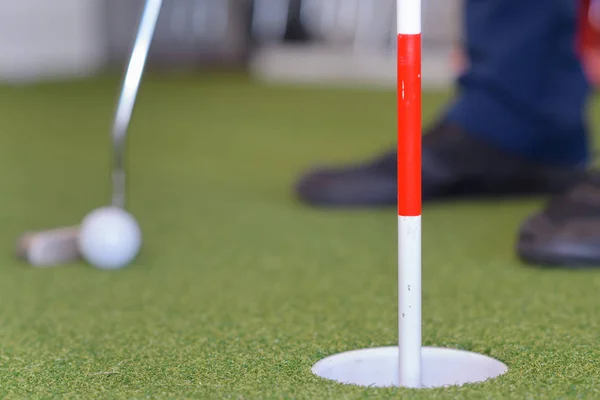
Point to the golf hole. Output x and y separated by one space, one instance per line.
378 367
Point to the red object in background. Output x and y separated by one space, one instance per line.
588 35
589 44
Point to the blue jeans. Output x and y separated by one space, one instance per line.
525 90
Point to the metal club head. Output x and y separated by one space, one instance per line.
60 245
49 248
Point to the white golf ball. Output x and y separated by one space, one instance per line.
110 238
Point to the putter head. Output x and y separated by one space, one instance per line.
49 248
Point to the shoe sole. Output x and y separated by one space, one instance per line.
557 260
542 244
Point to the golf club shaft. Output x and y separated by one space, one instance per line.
129 89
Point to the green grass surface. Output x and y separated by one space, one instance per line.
240 289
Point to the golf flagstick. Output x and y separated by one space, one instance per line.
409 192
408 364
58 246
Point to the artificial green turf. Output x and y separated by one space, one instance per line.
239 288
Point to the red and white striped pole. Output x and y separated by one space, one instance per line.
409 364
409 191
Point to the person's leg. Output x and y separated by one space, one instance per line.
566 232
516 125
525 90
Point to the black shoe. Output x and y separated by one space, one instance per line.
454 165
566 233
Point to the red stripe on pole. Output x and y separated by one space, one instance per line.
409 125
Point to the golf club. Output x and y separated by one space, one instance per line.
58 246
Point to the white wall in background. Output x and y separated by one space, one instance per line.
442 21
361 45
50 39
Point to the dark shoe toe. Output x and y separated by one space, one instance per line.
330 187
544 243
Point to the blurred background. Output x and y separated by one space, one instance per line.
238 287
292 41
